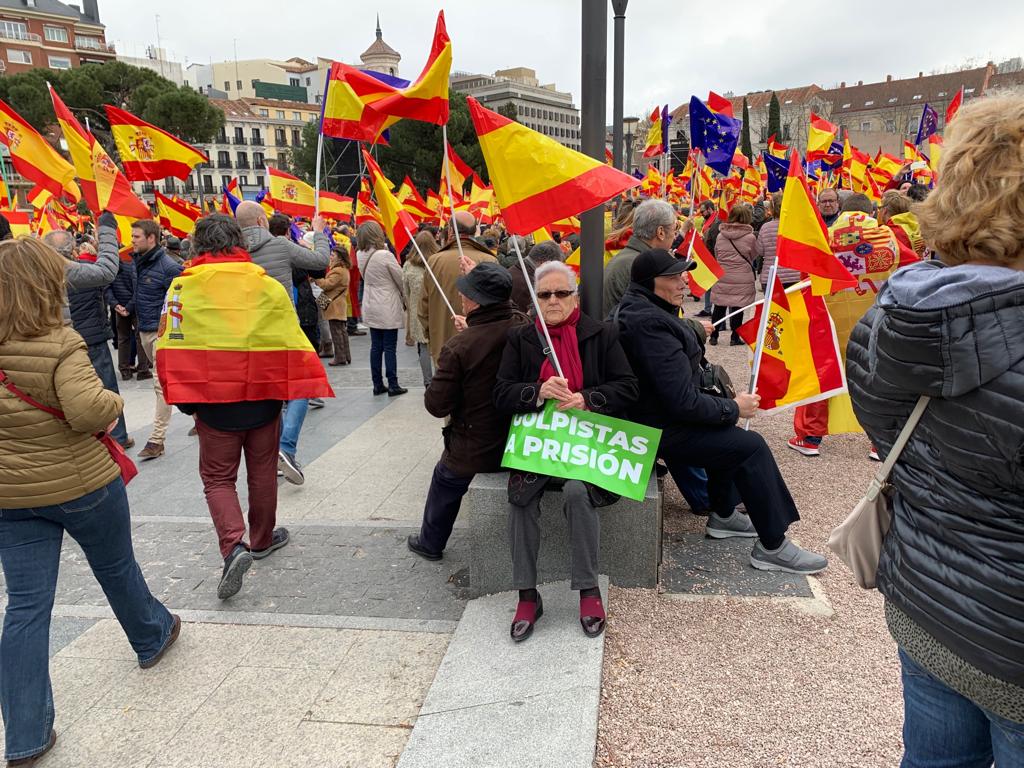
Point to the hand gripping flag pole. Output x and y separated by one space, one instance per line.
536 305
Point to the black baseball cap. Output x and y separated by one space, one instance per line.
487 283
658 262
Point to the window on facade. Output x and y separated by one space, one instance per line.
259 181
279 114
893 99
865 125
227 85
890 126
55 34
91 43
309 81
169 186
788 101
19 57
14 30
868 103
238 85
279 139
223 158
243 160
318 98
257 137
941 94
238 135
846 105
252 83
296 137
243 181
258 160
785 133
264 113
225 180
208 183
969 90
296 115
60 62
917 96
293 81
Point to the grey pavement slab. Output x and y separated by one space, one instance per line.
696 565
498 703
64 630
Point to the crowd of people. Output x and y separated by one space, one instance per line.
949 327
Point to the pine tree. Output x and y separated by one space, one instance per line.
745 147
775 118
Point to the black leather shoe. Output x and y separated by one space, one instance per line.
396 391
379 391
523 623
713 340
414 546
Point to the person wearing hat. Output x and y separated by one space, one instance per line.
461 391
700 429
597 378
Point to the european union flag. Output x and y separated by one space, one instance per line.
929 123
665 120
232 200
778 170
715 135
834 151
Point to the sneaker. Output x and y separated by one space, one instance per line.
279 538
873 454
151 451
316 402
235 566
789 558
290 468
413 542
735 525
803 447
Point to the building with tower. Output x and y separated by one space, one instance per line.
381 57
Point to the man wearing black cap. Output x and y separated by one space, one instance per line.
699 429
462 390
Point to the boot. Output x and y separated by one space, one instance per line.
339 335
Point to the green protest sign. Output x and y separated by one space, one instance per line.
613 454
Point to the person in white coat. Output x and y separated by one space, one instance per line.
383 305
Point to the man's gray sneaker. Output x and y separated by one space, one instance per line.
789 558
235 566
290 468
736 524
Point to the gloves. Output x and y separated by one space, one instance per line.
107 219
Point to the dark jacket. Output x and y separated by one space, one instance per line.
89 315
665 355
305 302
122 290
616 273
520 290
155 271
953 561
463 387
609 388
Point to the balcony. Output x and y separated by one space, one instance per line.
257 141
280 143
208 189
26 37
224 164
89 44
222 139
240 140
259 165
242 166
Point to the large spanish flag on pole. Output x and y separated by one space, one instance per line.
345 115
34 158
427 98
820 135
175 215
398 224
537 180
149 153
104 186
290 195
229 334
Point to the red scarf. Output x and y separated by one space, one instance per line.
566 347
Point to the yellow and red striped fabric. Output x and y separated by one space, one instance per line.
34 158
398 224
708 271
290 194
820 135
149 153
229 334
427 98
175 215
346 115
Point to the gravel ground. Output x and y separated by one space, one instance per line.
734 683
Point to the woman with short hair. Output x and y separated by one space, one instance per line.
597 377
383 305
56 476
335 287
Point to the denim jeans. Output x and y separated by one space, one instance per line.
942 729
103 364
384 343
30 544
291 424
693 484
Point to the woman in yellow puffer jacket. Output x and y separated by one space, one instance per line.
56 476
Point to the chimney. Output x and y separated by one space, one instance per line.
888 78
91 10
842 84
860 82
920 74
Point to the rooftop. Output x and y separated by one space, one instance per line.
378 47
53 7
894 92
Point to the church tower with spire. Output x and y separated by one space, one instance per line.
381 57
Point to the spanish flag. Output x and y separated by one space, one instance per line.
34 158
820 135
708 270
460 173
775 149
719 104
653 145
19 221
934 152
104 186
345 115
229 334
365 209
801 362
149 153
291 195
537 180
398 224
427 98
334 206
178 217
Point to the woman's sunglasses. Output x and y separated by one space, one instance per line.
545 295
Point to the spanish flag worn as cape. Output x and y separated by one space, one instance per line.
229 334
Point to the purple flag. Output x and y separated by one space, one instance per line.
929 123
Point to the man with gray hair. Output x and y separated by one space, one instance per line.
541 253
654 226
88 315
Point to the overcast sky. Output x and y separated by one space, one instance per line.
751 46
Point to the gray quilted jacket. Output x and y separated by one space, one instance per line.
278 255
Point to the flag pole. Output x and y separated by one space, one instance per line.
755 367
451 197
7 183
792 289
316 185
536 305
433 277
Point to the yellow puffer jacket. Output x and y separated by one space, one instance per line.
45 461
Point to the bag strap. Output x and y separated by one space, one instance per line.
9 386
901 441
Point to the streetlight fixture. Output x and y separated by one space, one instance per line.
630 129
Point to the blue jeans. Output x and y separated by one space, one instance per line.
942 729
384 343
693 484
103 364
291 424
30 544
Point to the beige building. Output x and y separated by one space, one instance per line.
156 60
254 78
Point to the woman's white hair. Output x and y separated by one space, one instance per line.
558 267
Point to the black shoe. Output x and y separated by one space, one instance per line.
703 313
316 402
235 566
127 375
142 375
33 759
713 339
396 391
414 546
736 341
278 539
379 390
523 622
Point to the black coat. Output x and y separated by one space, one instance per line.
953 560
609 387
666 355
520 291
122 290
462 388
155 271
89 315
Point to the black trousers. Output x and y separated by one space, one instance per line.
442 508
719 312
740 466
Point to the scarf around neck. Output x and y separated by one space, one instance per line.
566 347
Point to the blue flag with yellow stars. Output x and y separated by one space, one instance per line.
715 135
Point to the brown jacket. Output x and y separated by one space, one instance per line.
433 314
335 285
44 461
520 290
463 388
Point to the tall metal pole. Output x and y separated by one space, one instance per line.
593 103
619 6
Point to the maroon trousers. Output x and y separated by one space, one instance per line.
220 454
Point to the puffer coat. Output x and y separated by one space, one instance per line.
734 250
279 255
155 271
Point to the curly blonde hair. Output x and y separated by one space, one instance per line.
976 210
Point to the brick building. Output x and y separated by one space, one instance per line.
48 33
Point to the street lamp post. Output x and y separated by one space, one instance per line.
592 128
619 6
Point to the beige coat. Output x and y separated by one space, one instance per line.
45 461
412 278
383 296
335 285
433 314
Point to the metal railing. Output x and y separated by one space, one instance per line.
30 37
240 140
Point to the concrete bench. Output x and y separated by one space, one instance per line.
630 537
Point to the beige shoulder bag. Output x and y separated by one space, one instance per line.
857 541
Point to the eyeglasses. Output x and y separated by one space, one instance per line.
545 295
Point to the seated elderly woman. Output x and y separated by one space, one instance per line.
597 378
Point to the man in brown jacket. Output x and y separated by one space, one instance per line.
433 314
462 389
